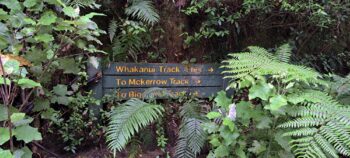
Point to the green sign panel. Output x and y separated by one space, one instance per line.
132 80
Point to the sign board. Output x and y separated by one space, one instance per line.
131 80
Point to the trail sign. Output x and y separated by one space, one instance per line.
131 80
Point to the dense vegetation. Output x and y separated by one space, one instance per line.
287 62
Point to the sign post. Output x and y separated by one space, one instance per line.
130 80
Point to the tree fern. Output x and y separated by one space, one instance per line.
143 10
259 62
323 122
191 137
128 119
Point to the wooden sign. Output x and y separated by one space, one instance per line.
131 80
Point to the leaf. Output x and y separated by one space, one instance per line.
260 90
228 137
69 65
214 141
210 127
11 4
45 38
222 151
28 83
56 2
245 112
5 153
229 123
30 3
2 81
3 113
276 103
25 152
48 18
283 141
27 133
258 147
41 104
222 100
213 115
70 11
60 89
11 67
17 117
62 100
4 135
264 123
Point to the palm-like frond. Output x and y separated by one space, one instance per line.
260 62
82 3
322 126
112 29
127 44
127 119
284 52
143 10
192 137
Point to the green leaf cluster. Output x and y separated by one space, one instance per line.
128 119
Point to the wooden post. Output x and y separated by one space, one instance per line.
94 71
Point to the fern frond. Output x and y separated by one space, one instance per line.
127 44
312 96
112 29
190 110
325 124
192 137
155 92
143 10
82 3
182 149
196 135
302 122
302 132
259 62
284 52
127 119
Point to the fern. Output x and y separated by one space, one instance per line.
284 52
112 29
192 137
128 119
143 10
82 3
323 123
156 92
259 62
127 44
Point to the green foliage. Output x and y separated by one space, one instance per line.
212 26
128 119
321 120
143 10
132 38
192 137
80 124
259 62
36 39
223 133
318 125
128 37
